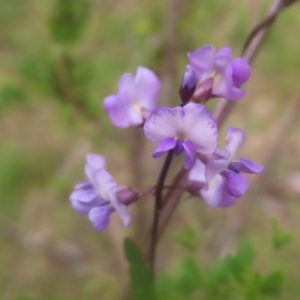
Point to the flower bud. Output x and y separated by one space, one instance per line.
188 84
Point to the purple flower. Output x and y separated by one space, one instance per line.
218 74
187 129
100 196
136 98
220 178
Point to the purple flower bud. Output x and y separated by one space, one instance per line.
188 84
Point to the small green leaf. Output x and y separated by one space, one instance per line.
239 263
190 278
272 284
140 279
189 238
280 238
68 20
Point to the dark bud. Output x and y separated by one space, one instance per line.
188 84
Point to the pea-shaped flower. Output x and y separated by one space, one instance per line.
189 129
218 74
137 97
100 195
218 179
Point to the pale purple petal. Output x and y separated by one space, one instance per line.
122 113
235 184
96 161
223 82
216 195
84 196
189 154
83 201
147 87
120 107
202 61
225 51
235 138
100 216
218 164
106 187
199 127
83 186
81 208
164 146
197 172
245 165
163 123
241 71
90 174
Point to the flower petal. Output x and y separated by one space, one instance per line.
106 187
235 184
235 139
245 165
218 164
83 201
121 107
90 174
225 51
83 186
199 127
164 146
189 154
216 195
163 123
241 71
96 161
99 216
84 196
147 87
202 61
197 172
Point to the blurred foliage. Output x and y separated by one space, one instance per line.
69 19
141 282
233 277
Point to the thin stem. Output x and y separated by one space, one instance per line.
157 208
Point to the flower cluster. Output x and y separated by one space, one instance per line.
189 128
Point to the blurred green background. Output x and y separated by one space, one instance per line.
59 59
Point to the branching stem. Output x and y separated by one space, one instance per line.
157 209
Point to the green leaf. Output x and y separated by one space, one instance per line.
190 278
280 238
239 263
69 19
272 284
189 238
140 279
